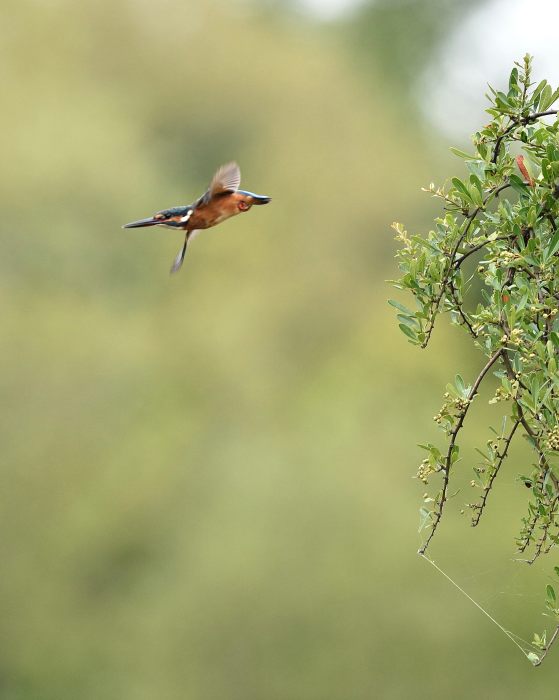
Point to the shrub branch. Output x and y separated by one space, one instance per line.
506 209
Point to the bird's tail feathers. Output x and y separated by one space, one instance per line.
180 257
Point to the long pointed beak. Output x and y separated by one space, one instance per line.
257 198
150 221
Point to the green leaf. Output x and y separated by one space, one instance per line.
400 307
461 154
434 451
410 321
513 80
537 91
424 243
477 191
424 518
553 246
545 98
477 168
523 301
492 111
502 100
406 330
462 189
554 97
451 389
517 184
550 591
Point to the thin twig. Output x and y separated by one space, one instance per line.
467 254
544 466
527 531
438 511
545 530
468 222
536 441
533 511
501 458
548 646
546 471
553 541
518 122
465 319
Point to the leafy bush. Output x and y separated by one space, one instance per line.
505 212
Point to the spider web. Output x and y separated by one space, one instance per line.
530 651
508 586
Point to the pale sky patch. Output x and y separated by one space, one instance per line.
482 50
330 9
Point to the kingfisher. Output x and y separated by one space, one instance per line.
222 200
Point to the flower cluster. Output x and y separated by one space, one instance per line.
553 438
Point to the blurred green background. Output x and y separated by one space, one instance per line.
206 479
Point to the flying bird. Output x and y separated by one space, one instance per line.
222 200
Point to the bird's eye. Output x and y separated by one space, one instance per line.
244 206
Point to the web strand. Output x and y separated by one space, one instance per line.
513 637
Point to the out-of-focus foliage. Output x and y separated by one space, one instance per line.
507 217
206 483
400 34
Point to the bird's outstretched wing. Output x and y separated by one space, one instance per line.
226 179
